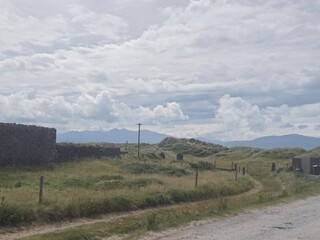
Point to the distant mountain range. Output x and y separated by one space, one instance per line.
112 136
123 135
285 141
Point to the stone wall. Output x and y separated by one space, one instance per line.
23 145
69 152
26 145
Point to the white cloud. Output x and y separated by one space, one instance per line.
163 62
234 115
79 110
236 118
75 26
87 23
161 114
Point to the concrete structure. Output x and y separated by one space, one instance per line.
26 145
310 165
23 145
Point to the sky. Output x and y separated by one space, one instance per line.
219 69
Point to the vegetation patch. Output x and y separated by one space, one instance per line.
143 182
91 187
11 214
109 182
105 181
147 168
201 165
191 146
134 226
281 153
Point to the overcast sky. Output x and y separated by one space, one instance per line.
222 69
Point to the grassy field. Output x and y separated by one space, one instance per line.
90 187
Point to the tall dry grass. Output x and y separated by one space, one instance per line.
90 187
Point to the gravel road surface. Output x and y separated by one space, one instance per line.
295 220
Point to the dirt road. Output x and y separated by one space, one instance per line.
295 220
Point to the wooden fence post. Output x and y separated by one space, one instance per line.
41 190
273 167
196 183
236 171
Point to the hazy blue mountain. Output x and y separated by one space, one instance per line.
112 136
123 135
285 141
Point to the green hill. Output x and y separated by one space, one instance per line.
190 146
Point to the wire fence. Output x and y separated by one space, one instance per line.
252 168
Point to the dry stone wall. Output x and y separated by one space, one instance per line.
26 145
70 152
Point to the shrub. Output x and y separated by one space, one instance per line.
280 170
12 215
223 203
139 183
152 223
179 156
203 165
162 155
140 168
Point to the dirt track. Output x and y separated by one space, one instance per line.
64 225
295 220
31 231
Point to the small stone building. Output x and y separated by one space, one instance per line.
26 145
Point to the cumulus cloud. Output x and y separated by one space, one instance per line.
33 107
162 114
74 26
253 62
234 114
235 118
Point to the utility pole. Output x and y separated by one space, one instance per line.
139 124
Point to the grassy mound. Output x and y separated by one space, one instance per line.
190 146
281 153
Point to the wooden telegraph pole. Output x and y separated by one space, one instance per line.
139 124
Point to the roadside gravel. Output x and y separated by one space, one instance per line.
295 220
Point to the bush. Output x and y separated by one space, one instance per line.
280 170
203 165
162 155
141 168
139 183
11 215
152 223
179 156
223 203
